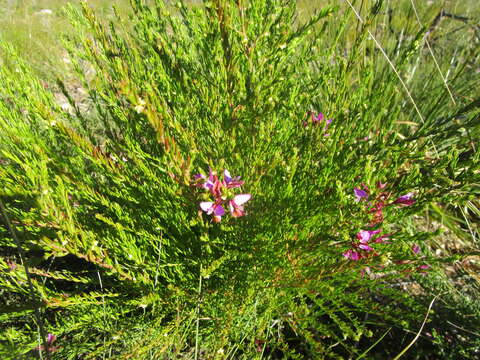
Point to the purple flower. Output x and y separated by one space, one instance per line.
231 182
217 187
415 248
405 200
236 205
213 208
360 194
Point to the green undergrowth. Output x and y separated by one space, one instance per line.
119 260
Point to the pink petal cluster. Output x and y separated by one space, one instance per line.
317 119
380 201
361 247
217 188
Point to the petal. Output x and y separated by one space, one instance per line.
318 118
381 185
206 206
360 194
51 338
241 199
364 236
405 199
365 247
227 176
219 210
355 256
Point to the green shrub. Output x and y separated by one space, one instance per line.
102 193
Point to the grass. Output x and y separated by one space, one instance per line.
101 195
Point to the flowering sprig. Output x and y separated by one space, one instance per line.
376 206
362 246
317 120
219 189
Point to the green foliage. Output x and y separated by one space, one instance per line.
100 192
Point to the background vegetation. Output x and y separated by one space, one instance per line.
102 240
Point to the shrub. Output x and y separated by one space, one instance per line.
103 197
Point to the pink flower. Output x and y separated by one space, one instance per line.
51 338
317 119
423 267
358 249
415 248
236 205
364 236
405 200
211 183
231 182
352 255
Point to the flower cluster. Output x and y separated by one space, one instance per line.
362 246
317 120
376 206
220 191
